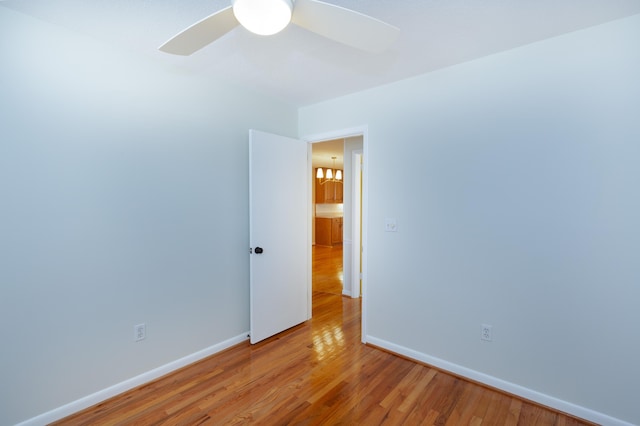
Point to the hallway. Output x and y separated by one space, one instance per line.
327 269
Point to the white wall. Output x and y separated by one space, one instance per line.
515 183
123 199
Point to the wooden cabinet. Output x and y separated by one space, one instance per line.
329 192
325 192
336 230
338 191
328 231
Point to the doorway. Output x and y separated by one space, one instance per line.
327 158
354 212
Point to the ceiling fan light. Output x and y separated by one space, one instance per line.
263 17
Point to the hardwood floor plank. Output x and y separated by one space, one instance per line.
416 389
498 409
463 409
481 408
515 409
423 411
318 373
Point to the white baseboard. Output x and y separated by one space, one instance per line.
95 398
512 388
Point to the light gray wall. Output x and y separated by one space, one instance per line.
515 183
123 199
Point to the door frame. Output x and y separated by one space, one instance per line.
356 221
341 134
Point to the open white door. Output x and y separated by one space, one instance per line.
279 236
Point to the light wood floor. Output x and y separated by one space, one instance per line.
315 373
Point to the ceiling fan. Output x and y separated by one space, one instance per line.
267 17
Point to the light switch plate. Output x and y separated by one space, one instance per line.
390 224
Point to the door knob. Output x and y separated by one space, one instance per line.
259 250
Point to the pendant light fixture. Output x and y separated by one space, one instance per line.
320 174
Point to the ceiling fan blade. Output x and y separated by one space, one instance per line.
201 33
344 25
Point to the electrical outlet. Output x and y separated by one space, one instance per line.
139 332
486 333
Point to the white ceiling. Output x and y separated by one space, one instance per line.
323 152
300 67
